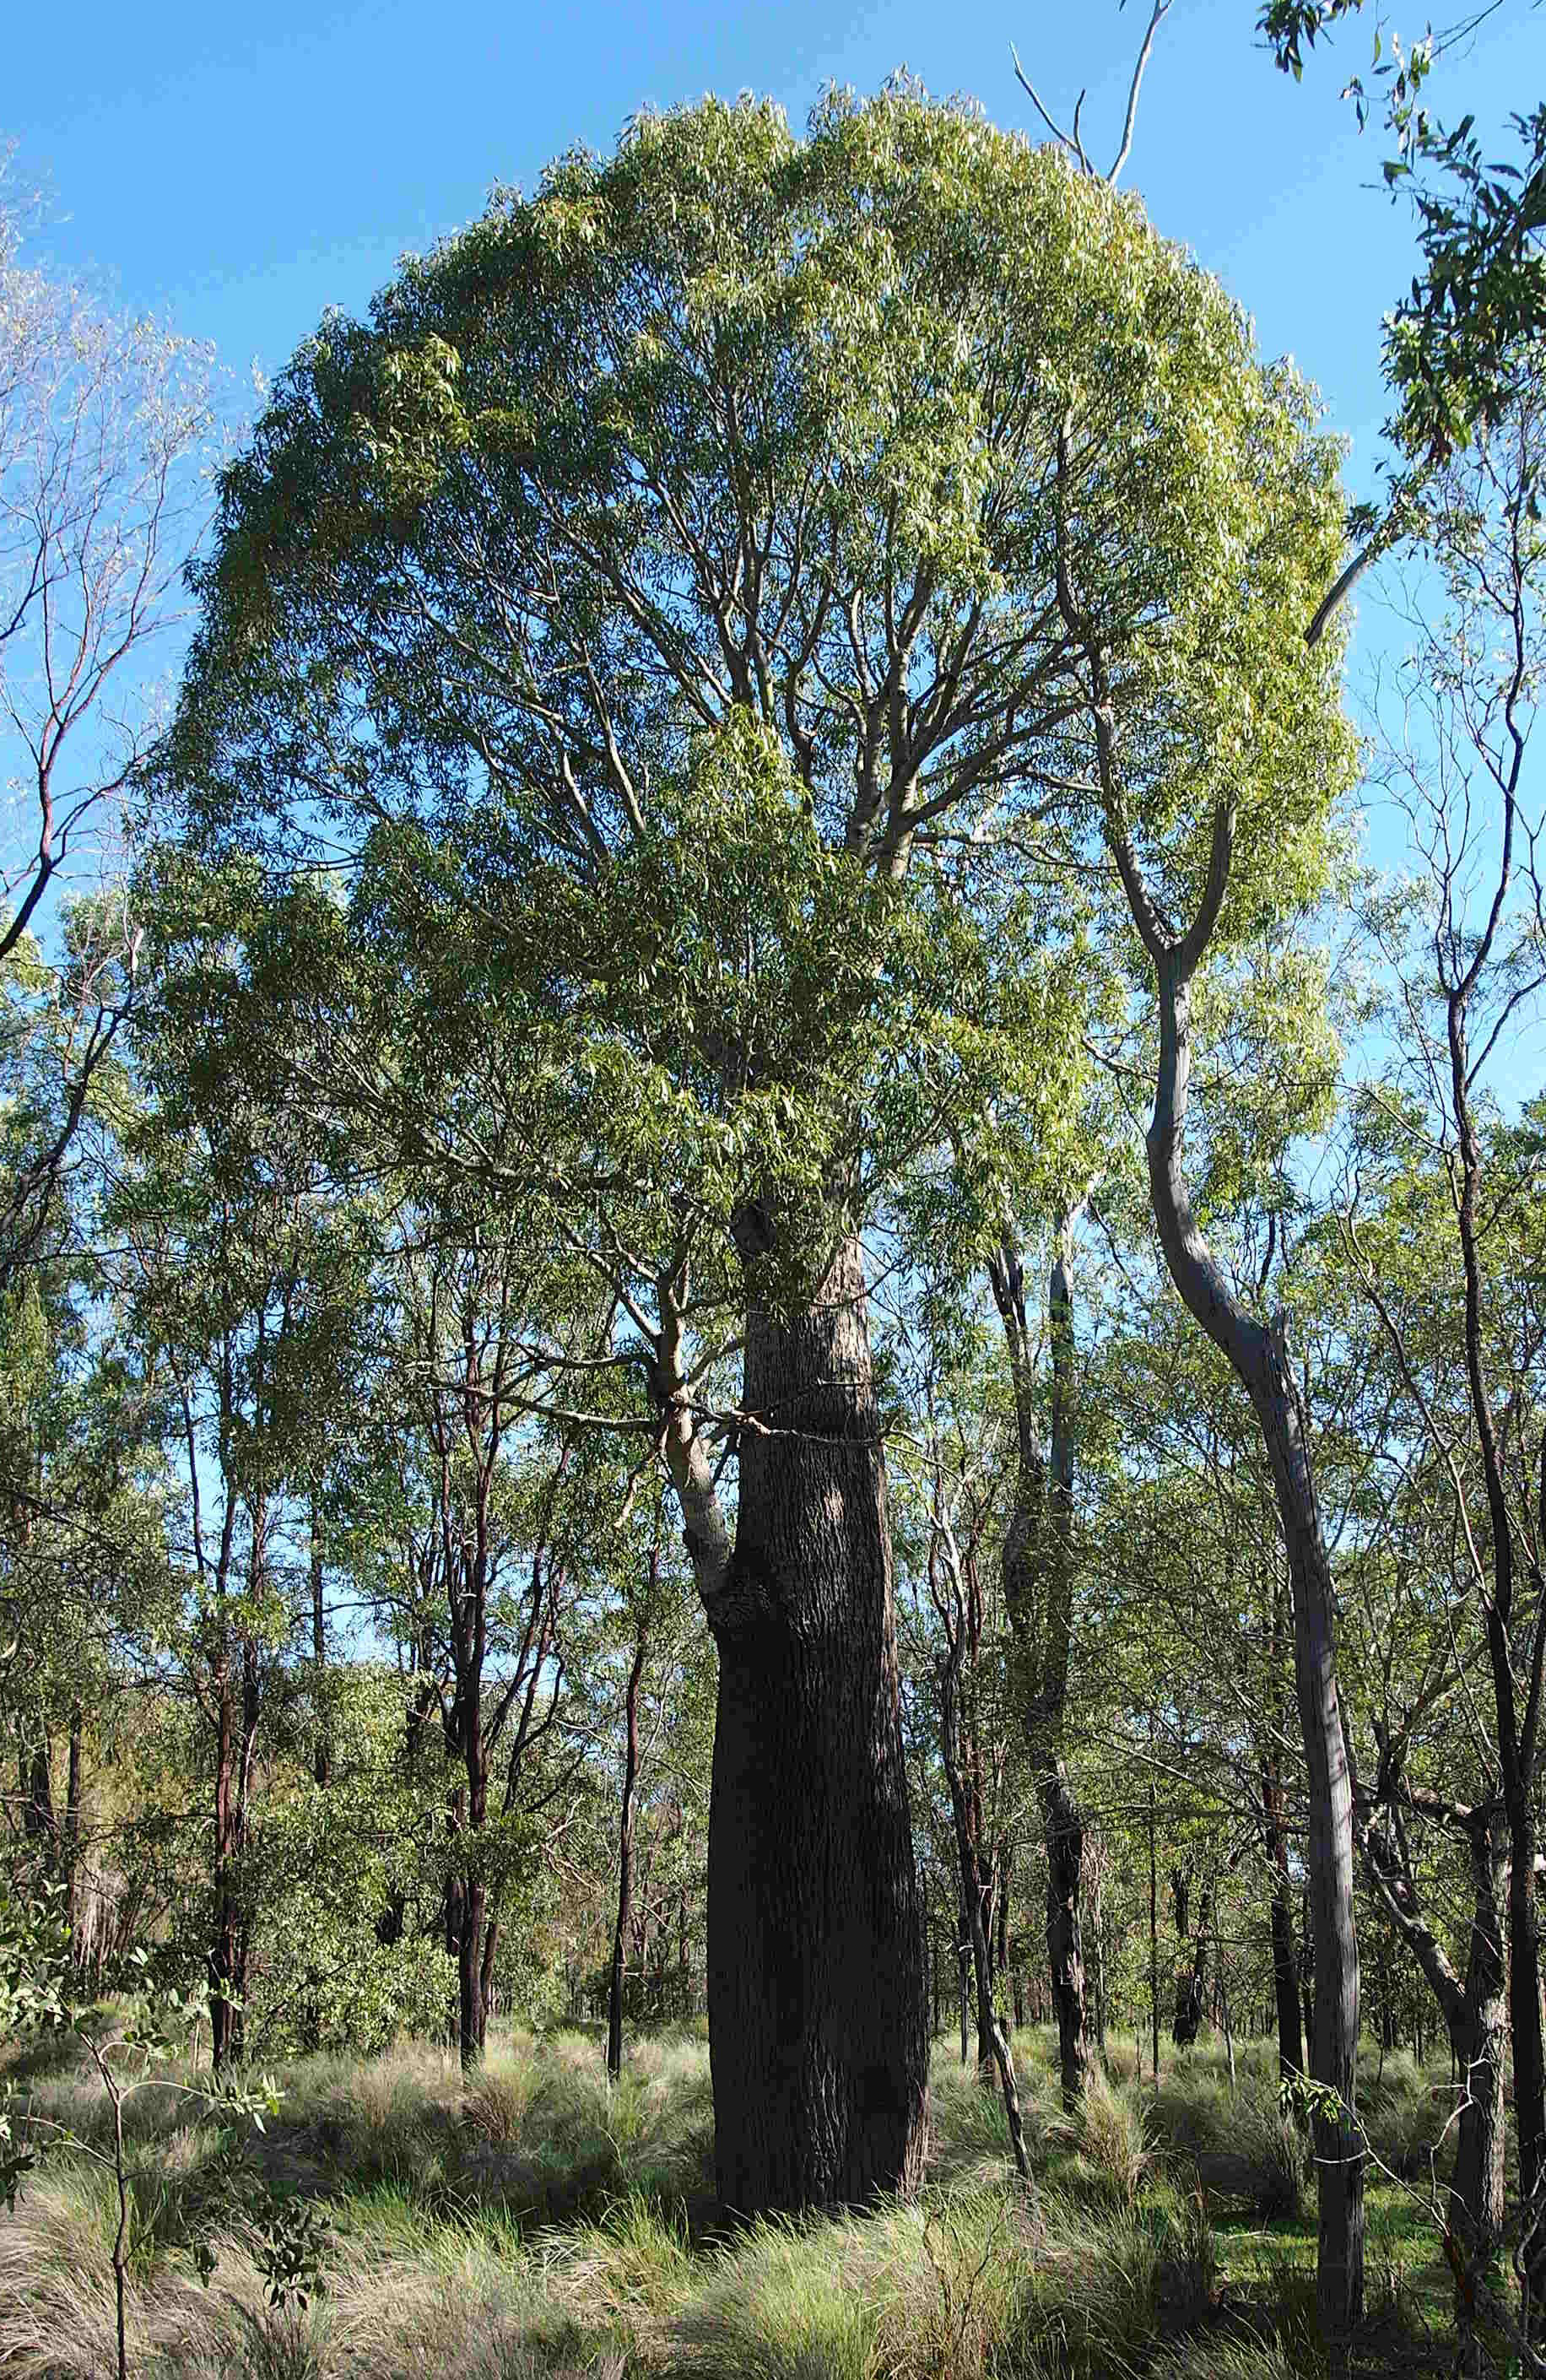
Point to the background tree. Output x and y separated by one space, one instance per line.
104 426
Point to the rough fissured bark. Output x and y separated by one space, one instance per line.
818 2025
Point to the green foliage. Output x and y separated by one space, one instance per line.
739 469
1458 347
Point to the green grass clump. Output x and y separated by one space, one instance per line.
1408 2120
532 2222
1107 2139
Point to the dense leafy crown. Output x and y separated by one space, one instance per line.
676 601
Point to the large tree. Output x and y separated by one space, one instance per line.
653 612
104 423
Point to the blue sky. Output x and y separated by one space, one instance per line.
243 169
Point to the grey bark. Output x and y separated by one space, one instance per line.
1475 2016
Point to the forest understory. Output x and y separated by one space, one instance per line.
530 2224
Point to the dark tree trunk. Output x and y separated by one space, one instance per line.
1002 1911
471 2016
235 1742
1063 1825
1038 1585
485 1977
944 1569
1153 1941
1191 1988
1285 1960
1526 2032
1479 2042
321 1755
37 1786
71 1845
222 1952
624 1863
818 2026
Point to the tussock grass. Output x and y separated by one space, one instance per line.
1405 2113
1224 2359
1238 2143
1109 2143
533 2223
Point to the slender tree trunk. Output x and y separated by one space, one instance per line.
1039 1582
485 1979
1224 1999
818 2025
71 1840
1153 1941
1005 1859
971 1883
1191 1990
1528 2040
1063 1825
1479 2042
624 1863
1258 1356
222 1952
1098 1974
470 2024
1475 2017
321 1755
37 1786
1286 1961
